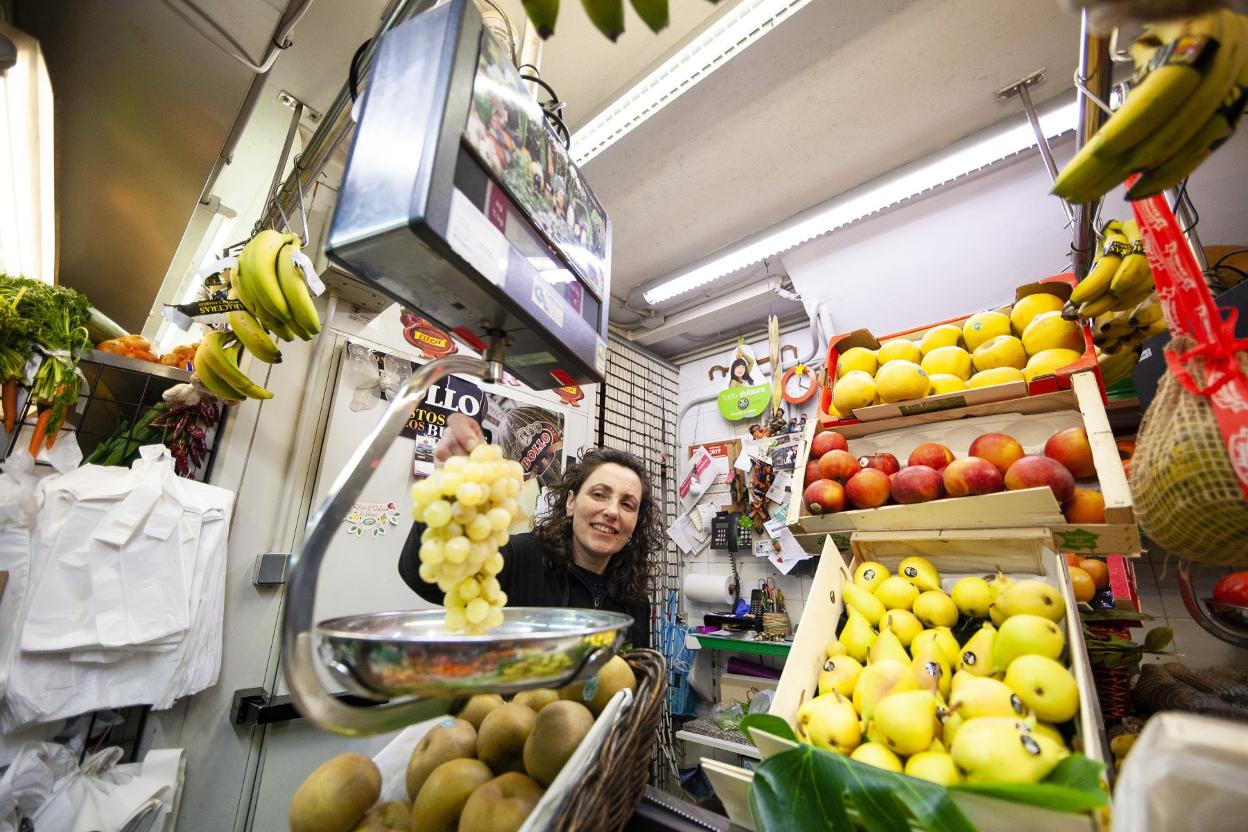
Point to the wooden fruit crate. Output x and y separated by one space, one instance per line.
1031 420
1020 553
1060 285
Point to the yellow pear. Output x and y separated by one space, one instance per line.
1001 750
1047 730
985 696
950 723
944 639
1032 597
935 609
888 647
1021 635
972 596
877 681
931 671
857 636
896 593
903 624
934 766
906 721
959 679
1045 687
977 652
869 575
834 648
878 755
839 674
866 603
999 583
830 722
919 572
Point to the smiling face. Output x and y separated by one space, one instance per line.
604 514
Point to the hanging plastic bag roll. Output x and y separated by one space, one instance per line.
708 589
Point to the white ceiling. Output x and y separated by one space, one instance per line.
839 93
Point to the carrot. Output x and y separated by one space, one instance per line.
55 430
41 427
10 405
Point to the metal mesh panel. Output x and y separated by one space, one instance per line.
637 413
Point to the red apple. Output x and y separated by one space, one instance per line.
1037 471
838 465
1086 506
869 488
917 484
824 497
931 454
812 471
972 476
828 440
1001 449
1070 447
883 462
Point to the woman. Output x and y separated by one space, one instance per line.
595 548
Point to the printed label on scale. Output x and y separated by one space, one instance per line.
474 238
549 301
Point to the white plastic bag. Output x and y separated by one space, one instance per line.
1185 772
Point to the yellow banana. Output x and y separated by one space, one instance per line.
542 13
1146 311
1133 272
213 382
258 264
253 337
1131 231
1157 327
224 366
607 16
1172 134
1099 305
295 290
1116 325
1097 281
1127 302
1116 366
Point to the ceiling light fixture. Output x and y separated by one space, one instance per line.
728 36
962 159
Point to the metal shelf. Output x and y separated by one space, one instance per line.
737 645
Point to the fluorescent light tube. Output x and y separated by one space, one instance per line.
988 148
729 35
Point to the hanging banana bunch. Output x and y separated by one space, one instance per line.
273 289
606 15
1190 89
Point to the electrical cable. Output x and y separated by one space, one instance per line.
235 50
353 71
551 110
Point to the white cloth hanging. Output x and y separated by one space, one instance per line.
127 592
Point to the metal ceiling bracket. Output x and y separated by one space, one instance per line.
1020 88
287 100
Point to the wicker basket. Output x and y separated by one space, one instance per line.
612 787
1113 684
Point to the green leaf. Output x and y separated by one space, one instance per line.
1158 639
1073 787
841 788
798 790
767 723
1114 615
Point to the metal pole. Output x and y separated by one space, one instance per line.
1187 219
336 124
1097 74
1021 88
285 154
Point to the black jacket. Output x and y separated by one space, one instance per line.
529 583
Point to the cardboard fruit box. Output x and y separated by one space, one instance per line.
1020 553
1030 420
1058 285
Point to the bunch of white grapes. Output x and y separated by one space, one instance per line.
467 507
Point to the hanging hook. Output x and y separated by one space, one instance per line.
1082 86
303 212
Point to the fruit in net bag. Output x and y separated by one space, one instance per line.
467 507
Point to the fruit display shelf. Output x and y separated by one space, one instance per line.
1031 420
1018 553
1055 290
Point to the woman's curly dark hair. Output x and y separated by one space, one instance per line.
630 575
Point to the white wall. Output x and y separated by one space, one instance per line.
968 247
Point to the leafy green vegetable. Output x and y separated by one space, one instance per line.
808 788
